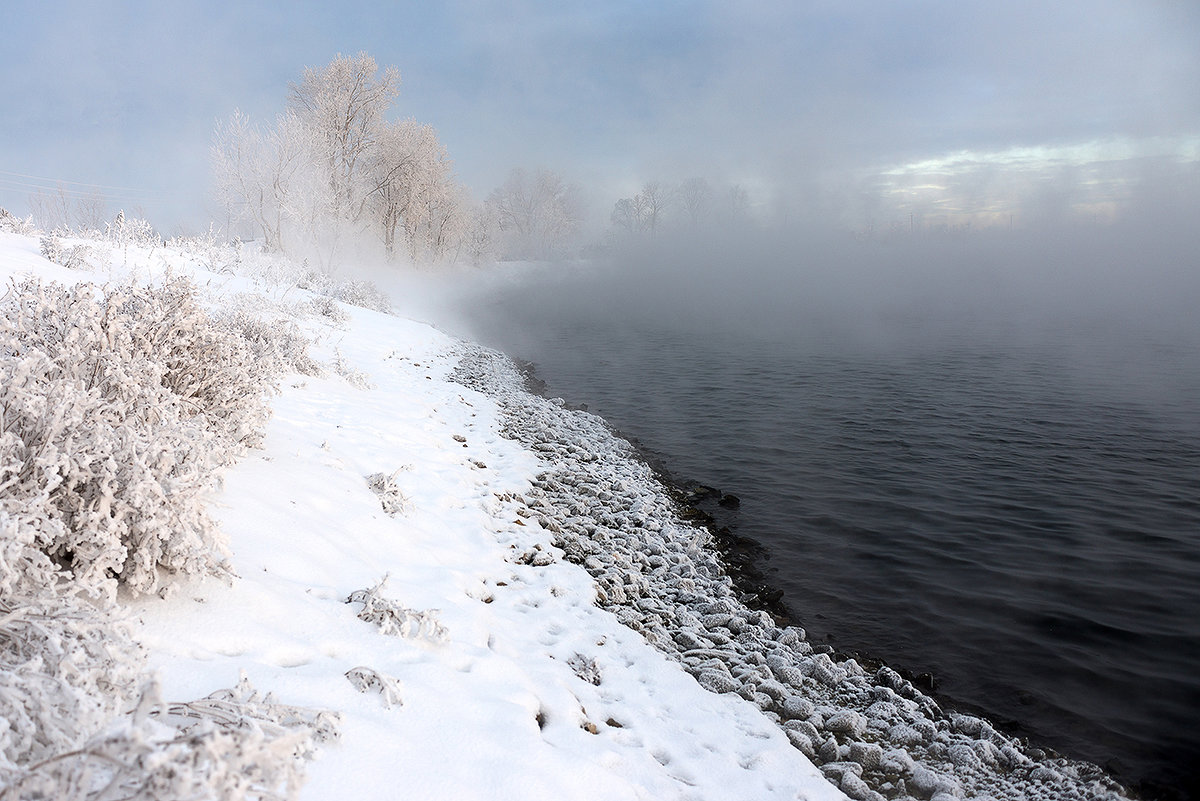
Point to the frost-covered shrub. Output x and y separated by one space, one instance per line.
365 679
356 378
271 332
314 280
66 666
65 671
364 294
131 231
394 619
328 308
233 745
124 497
117 411
208 249
117 407
391 498
52 248
76 257
12 224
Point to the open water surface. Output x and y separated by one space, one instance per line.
1018 516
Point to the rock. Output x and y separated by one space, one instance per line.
846 722
853 786
716 682
796 707
866 754
963 755
689 641
802 742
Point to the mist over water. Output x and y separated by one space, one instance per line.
972 454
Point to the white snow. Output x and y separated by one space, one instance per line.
533 692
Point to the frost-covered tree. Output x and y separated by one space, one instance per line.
445 220
334 167
479 235
90 211
344 105
538 215
51 210
738 204
414 192
255 171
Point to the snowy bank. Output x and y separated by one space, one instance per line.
498 599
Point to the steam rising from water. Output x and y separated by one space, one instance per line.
1105 293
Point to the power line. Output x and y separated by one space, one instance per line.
74 194
57 181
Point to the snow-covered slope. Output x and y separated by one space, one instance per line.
503 704
488 671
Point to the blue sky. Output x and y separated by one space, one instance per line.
782 96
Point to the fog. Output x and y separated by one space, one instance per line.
1137 273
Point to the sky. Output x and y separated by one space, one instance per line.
863 105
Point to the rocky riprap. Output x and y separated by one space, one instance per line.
872 733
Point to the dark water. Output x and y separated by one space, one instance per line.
1017 515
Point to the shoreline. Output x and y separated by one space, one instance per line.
740 555
875 734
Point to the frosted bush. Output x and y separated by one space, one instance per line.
131 231
233 745
364 679
65 670
391 498
117 406
329 309
66 666
118 409
364 294
271 332
16 225
394 619
314 280
356 378
52 248
74 257
207 248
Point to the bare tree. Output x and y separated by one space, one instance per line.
538 214
654 200
645 212
626 216
412 188
90 211
51 210
447 217
695 196
333 167
344 104
739 203
255 171
479 234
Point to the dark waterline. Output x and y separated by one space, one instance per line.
1016 519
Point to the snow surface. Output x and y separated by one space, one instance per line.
532 692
